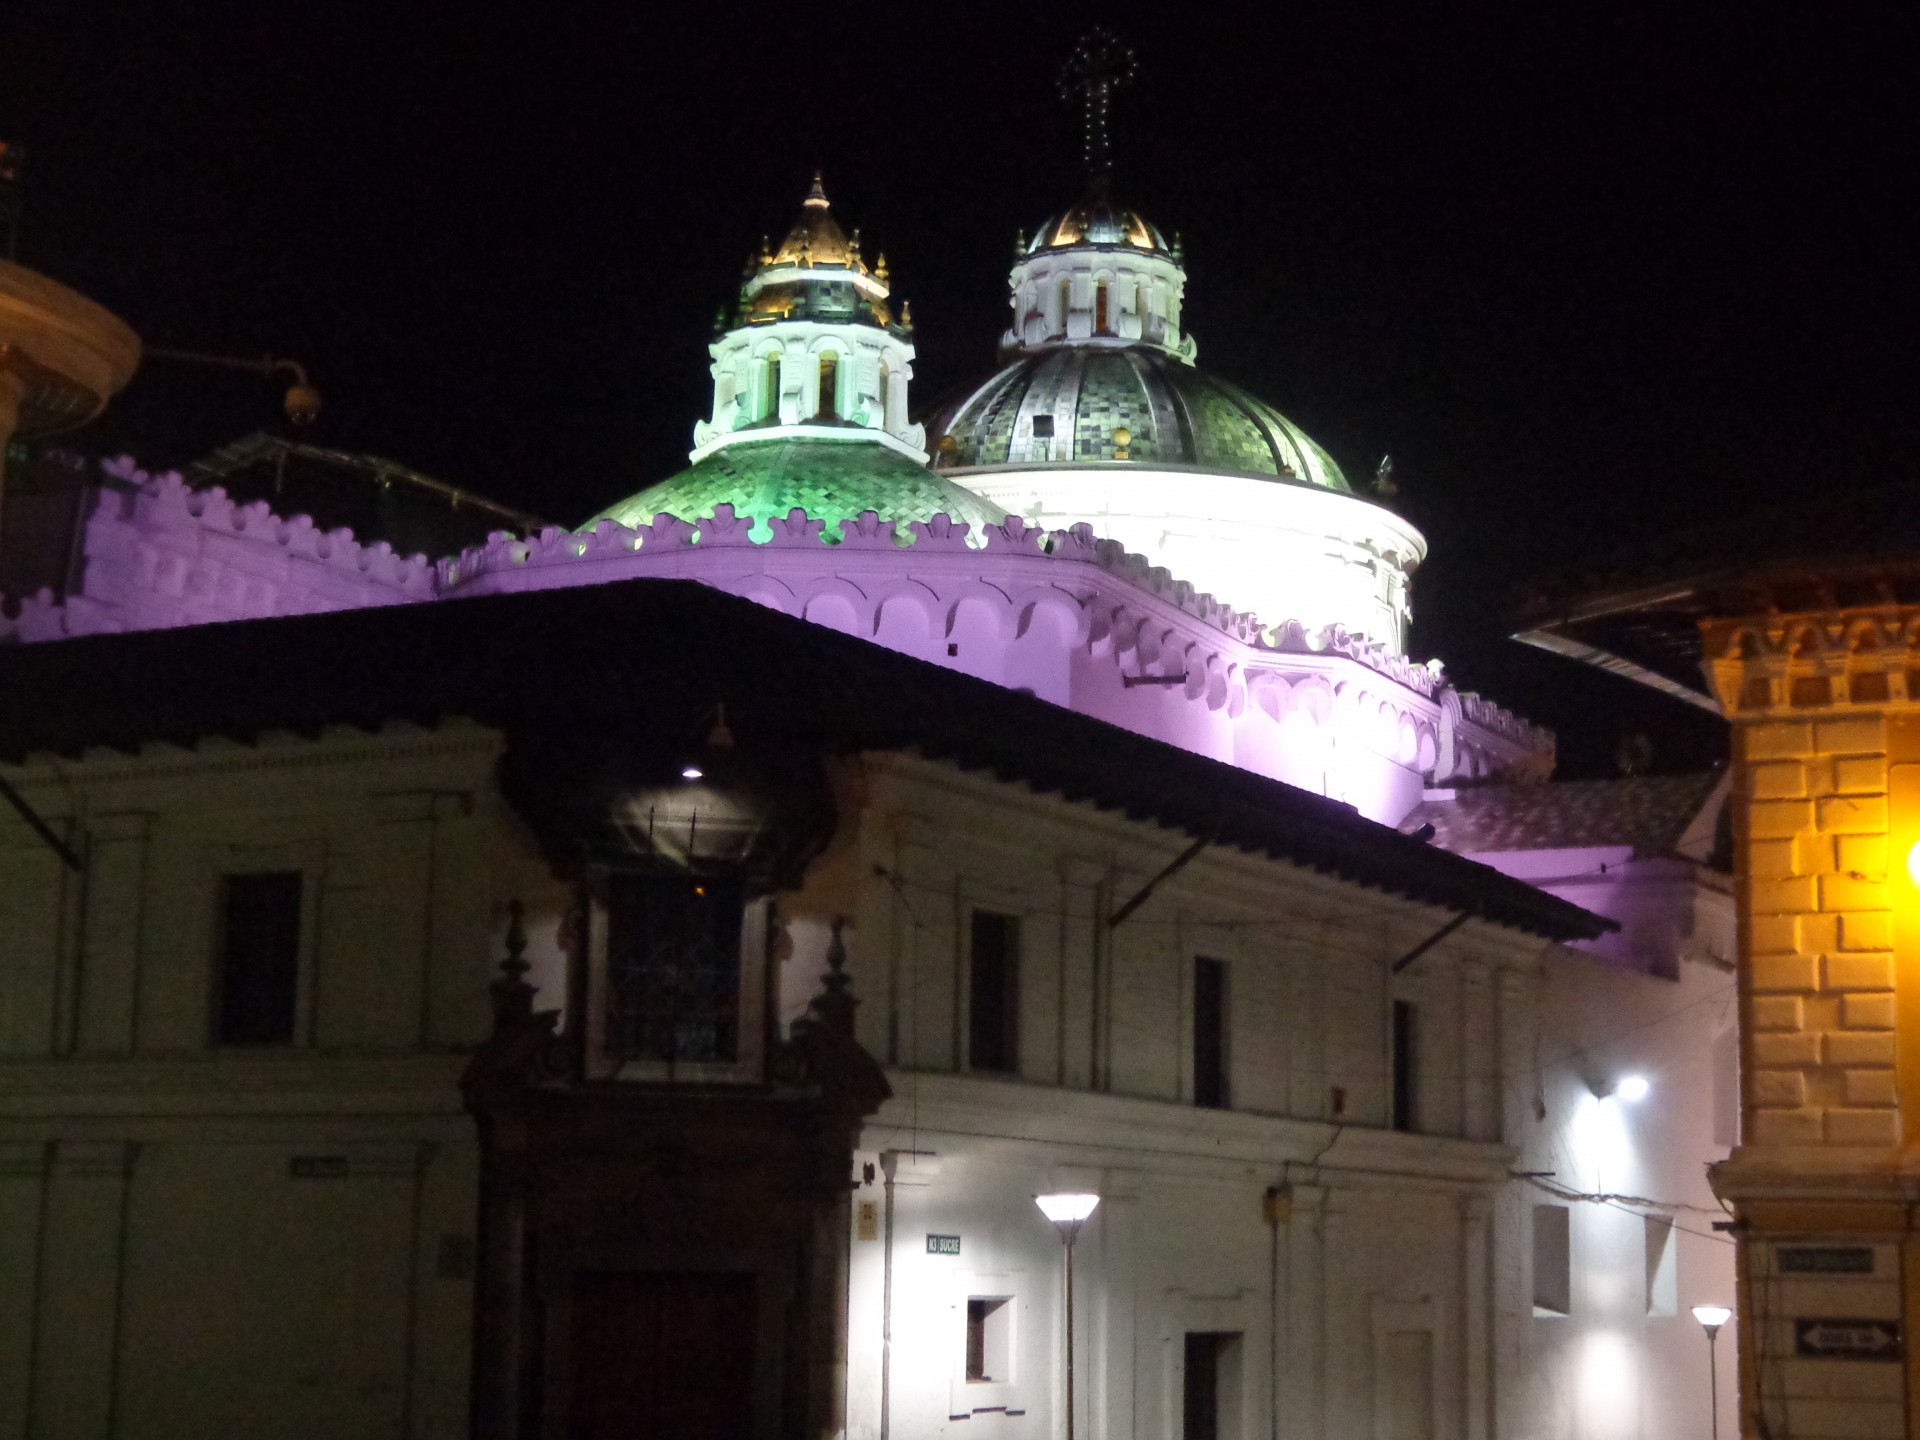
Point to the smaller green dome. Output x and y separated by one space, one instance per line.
832 480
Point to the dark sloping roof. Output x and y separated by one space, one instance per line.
1648 812
1639 614
649 660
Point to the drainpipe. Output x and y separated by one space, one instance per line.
889 1163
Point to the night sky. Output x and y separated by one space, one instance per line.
1589 274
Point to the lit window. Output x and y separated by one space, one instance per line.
989 1339
673 967
1552 1260
993 993
259 959
770 387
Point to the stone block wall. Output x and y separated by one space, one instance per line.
1821 1045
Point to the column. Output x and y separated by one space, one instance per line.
77 1329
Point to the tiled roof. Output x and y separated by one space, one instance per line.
643 663
1648 812
832 480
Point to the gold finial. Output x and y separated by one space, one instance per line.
880 268
853 250
1122 441
817 195
906 314
766 251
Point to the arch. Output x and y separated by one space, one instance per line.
1314 696
767 591
1074 621
902 605
836 605
1863 635
987 598
1271 693
1805 642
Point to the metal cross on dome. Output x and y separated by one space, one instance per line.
1100 64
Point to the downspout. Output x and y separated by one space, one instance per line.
889 1163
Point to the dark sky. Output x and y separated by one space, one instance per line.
1589 274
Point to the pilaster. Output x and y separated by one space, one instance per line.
77 1334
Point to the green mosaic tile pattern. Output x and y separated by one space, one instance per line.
832 480
1177 416
1113 393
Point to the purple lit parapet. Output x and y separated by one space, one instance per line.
158 553
1060 614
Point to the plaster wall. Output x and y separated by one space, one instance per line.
273 1240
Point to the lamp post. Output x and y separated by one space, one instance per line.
1711 1318
1068 1210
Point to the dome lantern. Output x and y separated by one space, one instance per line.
814 347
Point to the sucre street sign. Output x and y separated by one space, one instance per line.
1828 1339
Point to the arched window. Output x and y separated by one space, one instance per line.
886 396
770 386
1066 299
1100 326
829 385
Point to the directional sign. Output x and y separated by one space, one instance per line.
1847 1339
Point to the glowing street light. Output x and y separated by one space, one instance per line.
1711 1318
1068 1210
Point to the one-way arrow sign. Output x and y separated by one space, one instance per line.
1828 1339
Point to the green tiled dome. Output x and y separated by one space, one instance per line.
832 480
1062 407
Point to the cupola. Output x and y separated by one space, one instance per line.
813 348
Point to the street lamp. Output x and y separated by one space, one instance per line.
1068 1210
1711 1318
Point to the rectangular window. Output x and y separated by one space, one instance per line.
1043 427
259 959
673 967
989 1339
1406 1063
1552 1260
1210 1033
993 993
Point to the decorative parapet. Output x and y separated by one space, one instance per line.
160 552
1811 661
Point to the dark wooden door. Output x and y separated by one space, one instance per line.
662 1354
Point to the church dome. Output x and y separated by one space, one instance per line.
1099 222
1081 405
832 480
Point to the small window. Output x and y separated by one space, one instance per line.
989 1339
993 993
829 386
1066 302
259 959
1406 1061
1552 1260
1100 326
1210 1033
886 397
673 967
1043 427
770 387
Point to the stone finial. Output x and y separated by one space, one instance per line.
512 995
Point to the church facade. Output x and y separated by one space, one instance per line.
433 1021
